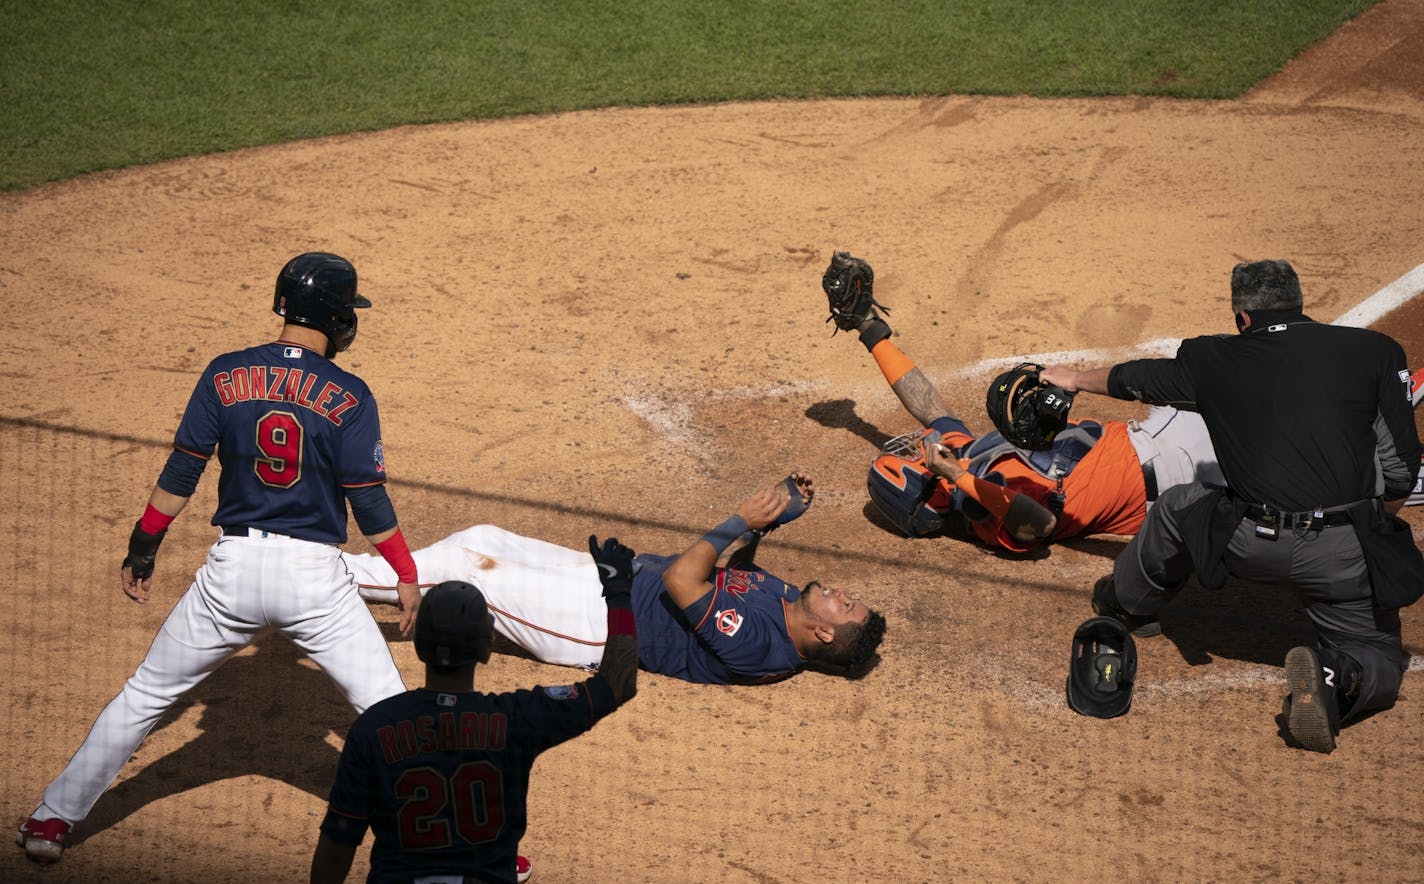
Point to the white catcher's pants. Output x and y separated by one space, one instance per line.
247 586
1177 445
545 598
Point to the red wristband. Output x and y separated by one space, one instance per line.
153 521
397 555
620 622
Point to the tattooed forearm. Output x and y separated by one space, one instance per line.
920 398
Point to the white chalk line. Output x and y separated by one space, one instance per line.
1364 314
672 417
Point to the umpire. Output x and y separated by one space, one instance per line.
1314 429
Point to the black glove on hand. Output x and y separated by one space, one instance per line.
143 549
615 569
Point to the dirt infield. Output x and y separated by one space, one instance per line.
611 322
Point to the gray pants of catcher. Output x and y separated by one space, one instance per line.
1326 567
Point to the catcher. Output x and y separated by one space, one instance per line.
1039 476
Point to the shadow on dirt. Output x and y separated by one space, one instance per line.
839 414
263 713
1245 621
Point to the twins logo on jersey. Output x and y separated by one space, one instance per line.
728 622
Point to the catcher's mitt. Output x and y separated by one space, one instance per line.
1025 410
848 283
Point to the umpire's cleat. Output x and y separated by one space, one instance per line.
522 869
1311 717
43 840
1105 604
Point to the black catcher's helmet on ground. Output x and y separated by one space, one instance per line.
318 290
1102 669
453 626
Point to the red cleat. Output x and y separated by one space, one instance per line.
43 840
522 869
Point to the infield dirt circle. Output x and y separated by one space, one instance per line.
611 322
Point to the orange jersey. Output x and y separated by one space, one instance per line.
1103 494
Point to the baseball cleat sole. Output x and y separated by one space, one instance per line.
1309 719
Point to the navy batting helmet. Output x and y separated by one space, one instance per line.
903 488
318 290
453 626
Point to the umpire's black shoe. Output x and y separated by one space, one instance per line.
1105 604
1312 713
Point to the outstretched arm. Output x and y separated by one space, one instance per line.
917 394
798 491
848 284
914 390
619 666
687 579
1092 380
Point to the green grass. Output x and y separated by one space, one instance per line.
90 85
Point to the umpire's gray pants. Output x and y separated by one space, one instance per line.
1325 566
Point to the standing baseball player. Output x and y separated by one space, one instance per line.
1092 477
297 438
708 616
441 774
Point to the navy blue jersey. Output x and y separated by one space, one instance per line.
292 432
441 779
736 633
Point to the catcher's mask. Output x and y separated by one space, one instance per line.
453 626
903 488
1103 668
1025 410
318 290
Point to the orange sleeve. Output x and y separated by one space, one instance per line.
994 498
893 364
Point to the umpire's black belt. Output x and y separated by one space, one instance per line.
1304 521
1149 480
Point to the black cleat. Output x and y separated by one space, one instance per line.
1105 605
1311 718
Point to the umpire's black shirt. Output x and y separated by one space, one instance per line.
1302 415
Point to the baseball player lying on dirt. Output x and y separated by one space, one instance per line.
697 620
1092 477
